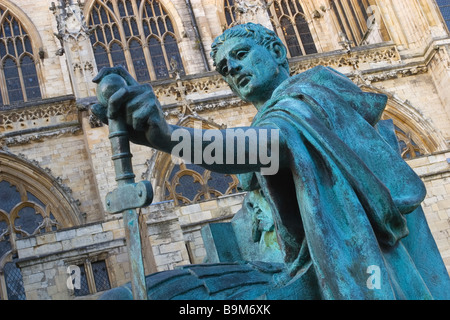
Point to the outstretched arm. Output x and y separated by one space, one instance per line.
235 150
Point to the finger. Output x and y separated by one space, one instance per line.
102 73
116 102
140 117
138 108
99 111
119 70
133 97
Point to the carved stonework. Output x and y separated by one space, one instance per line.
386 55
201 87
252 11
39 116
70 20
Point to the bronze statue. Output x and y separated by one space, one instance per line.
345 206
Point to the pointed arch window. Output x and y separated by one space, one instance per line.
189 183
18 76
137 34
230 12
290 24
22 214
31 203
356 20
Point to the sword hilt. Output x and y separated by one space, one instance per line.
128 195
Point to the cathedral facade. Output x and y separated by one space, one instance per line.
57 240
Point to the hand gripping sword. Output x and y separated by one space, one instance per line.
129 195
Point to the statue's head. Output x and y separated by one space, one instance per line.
252 60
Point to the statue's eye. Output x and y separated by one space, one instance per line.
241 54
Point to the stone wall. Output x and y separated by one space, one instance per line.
58 135
435 172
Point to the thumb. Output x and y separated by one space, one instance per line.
100 111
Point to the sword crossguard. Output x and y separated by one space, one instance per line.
128 195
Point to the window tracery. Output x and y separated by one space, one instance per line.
189 183
289 22
356 19
291 25
32 202
137 34
18 76
22 214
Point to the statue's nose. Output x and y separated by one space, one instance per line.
233 67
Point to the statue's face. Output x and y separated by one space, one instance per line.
249 68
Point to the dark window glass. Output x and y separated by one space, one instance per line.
84 287
19 70
172 52
295 33
9 196
12 79
14 282
188 187
117 55
5 243
100 276
30 79
158 61
305 35
155 24
291 38
2 48
444 6
28 220
101 57
359 31
140 66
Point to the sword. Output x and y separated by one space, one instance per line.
129 195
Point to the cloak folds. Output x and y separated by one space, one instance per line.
341 203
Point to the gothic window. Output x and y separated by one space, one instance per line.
290 24
186 183
408 147
32 202
288 21
230 14
444 6
190 183
18 76
355 20
22 214
137 34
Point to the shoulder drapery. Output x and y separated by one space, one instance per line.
352 190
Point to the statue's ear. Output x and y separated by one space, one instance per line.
279 52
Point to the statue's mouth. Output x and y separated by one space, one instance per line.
243 80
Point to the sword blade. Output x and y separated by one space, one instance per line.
134 246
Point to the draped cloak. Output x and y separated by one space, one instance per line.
346 206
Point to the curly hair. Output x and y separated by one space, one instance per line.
257 32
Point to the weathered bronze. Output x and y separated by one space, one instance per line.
129 195
343 206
